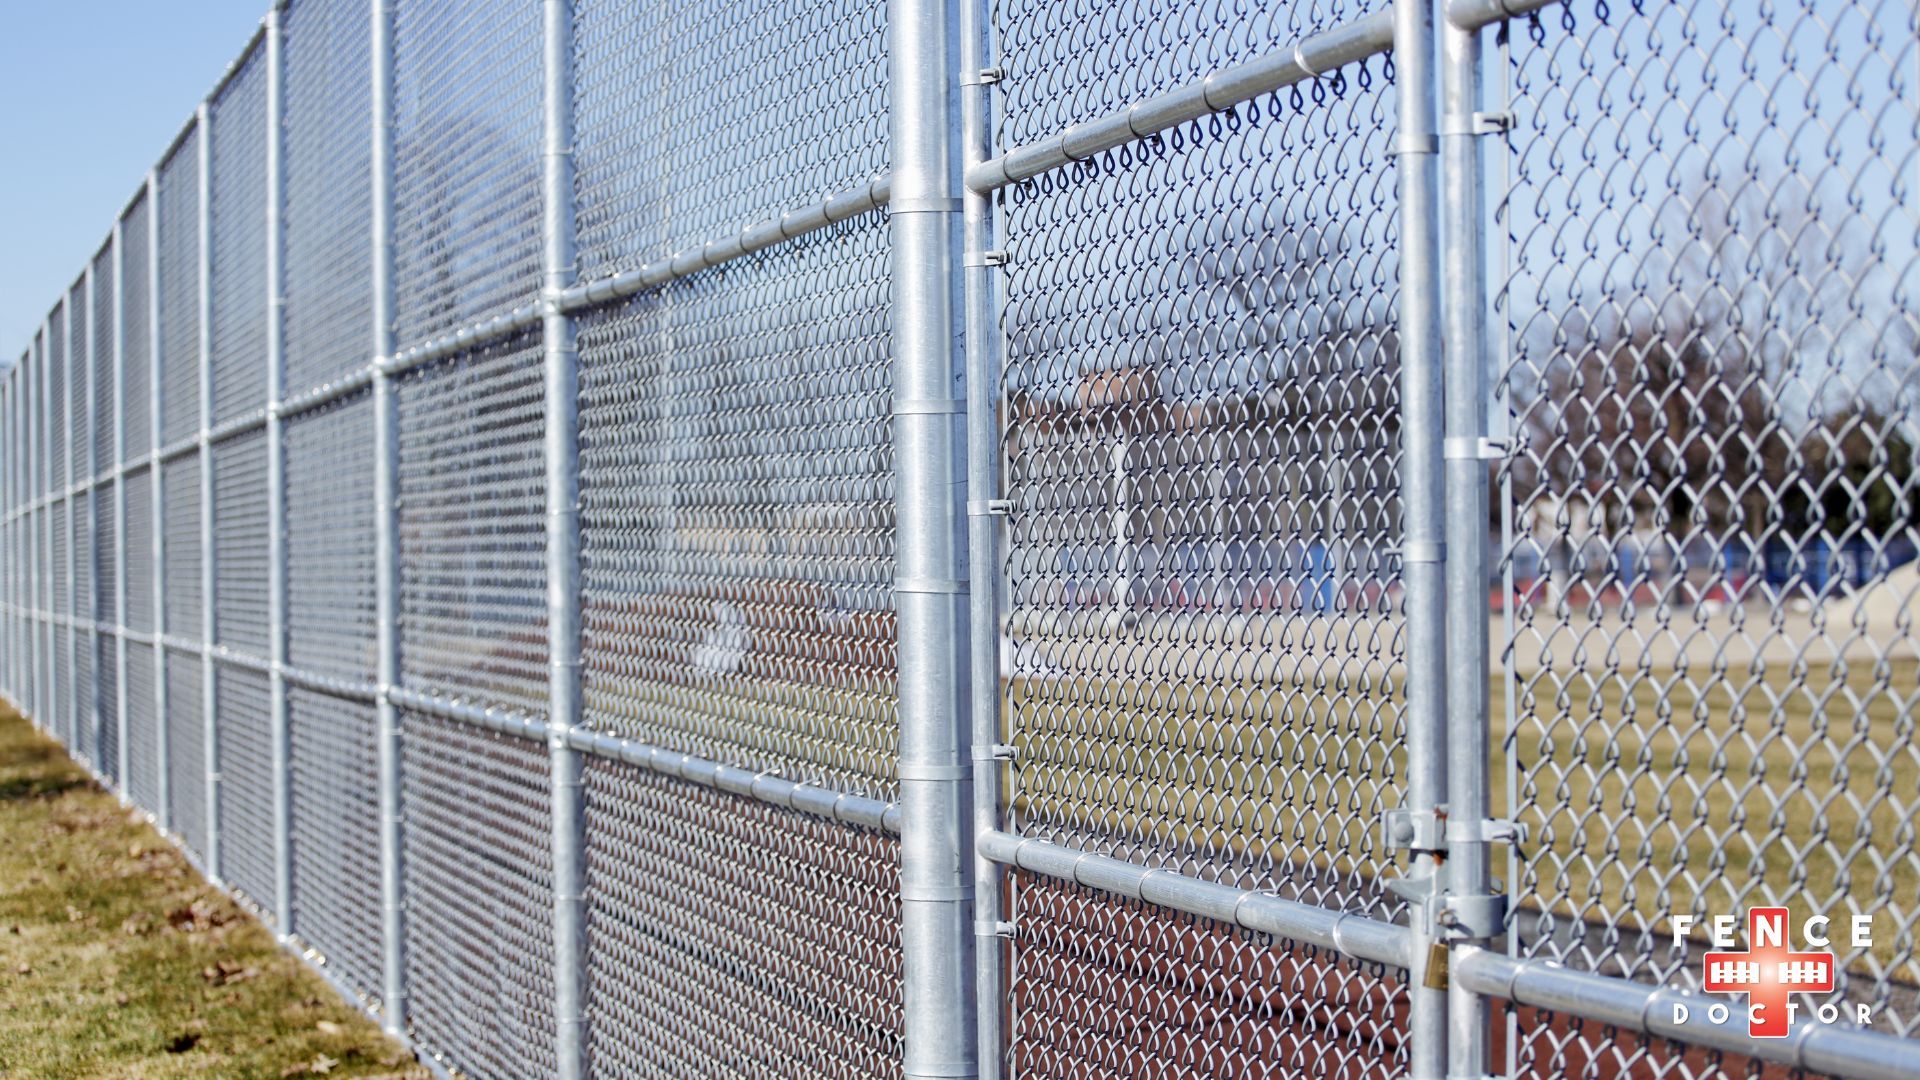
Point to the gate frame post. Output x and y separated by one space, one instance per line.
1423 553
931 588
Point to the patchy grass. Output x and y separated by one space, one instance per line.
118 960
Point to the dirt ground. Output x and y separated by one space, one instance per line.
118 960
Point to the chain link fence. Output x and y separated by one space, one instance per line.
1017 538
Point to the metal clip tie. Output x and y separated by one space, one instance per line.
1473 448
930 407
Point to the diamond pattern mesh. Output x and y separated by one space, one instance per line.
180 291
240 541
181 580
737 514
239 263
187 750
698 901
693 120
473 527
479 922
330 519
1709 664
329 248
142 781
246 783
467 142
136 313
336 838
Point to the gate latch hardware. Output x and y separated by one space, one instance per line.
1414 830
1458 917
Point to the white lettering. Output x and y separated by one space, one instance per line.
1716 1013
1863 931
1818 940
1682 926
1829 1013
1723 931
1679 1013
1862 1013
1769 930
1757 1012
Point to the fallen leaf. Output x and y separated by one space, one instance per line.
182 1043
322 1064
328 1027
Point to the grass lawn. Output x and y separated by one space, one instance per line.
118 960
1641 793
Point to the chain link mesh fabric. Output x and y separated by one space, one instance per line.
737 518
473 527
479 930
239 260
246 782
181 574
1705 247
240 541
467 143
1203 631
142 780
179 299
187 750
774 104
137 535
1710 668
699 900
330 595
329 253
336 839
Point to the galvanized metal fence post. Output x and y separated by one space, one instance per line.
33 378
156 478
386 526
1422 547
72 635
985 513
31 690
277 472
936 857
209 672
1474 914
94 706
562 449
122 758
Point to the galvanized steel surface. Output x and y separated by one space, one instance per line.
825 538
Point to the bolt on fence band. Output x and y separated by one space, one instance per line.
1012 538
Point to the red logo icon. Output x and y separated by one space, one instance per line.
1768 972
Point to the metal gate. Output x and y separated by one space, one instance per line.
1018 537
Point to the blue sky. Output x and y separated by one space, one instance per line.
94 93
